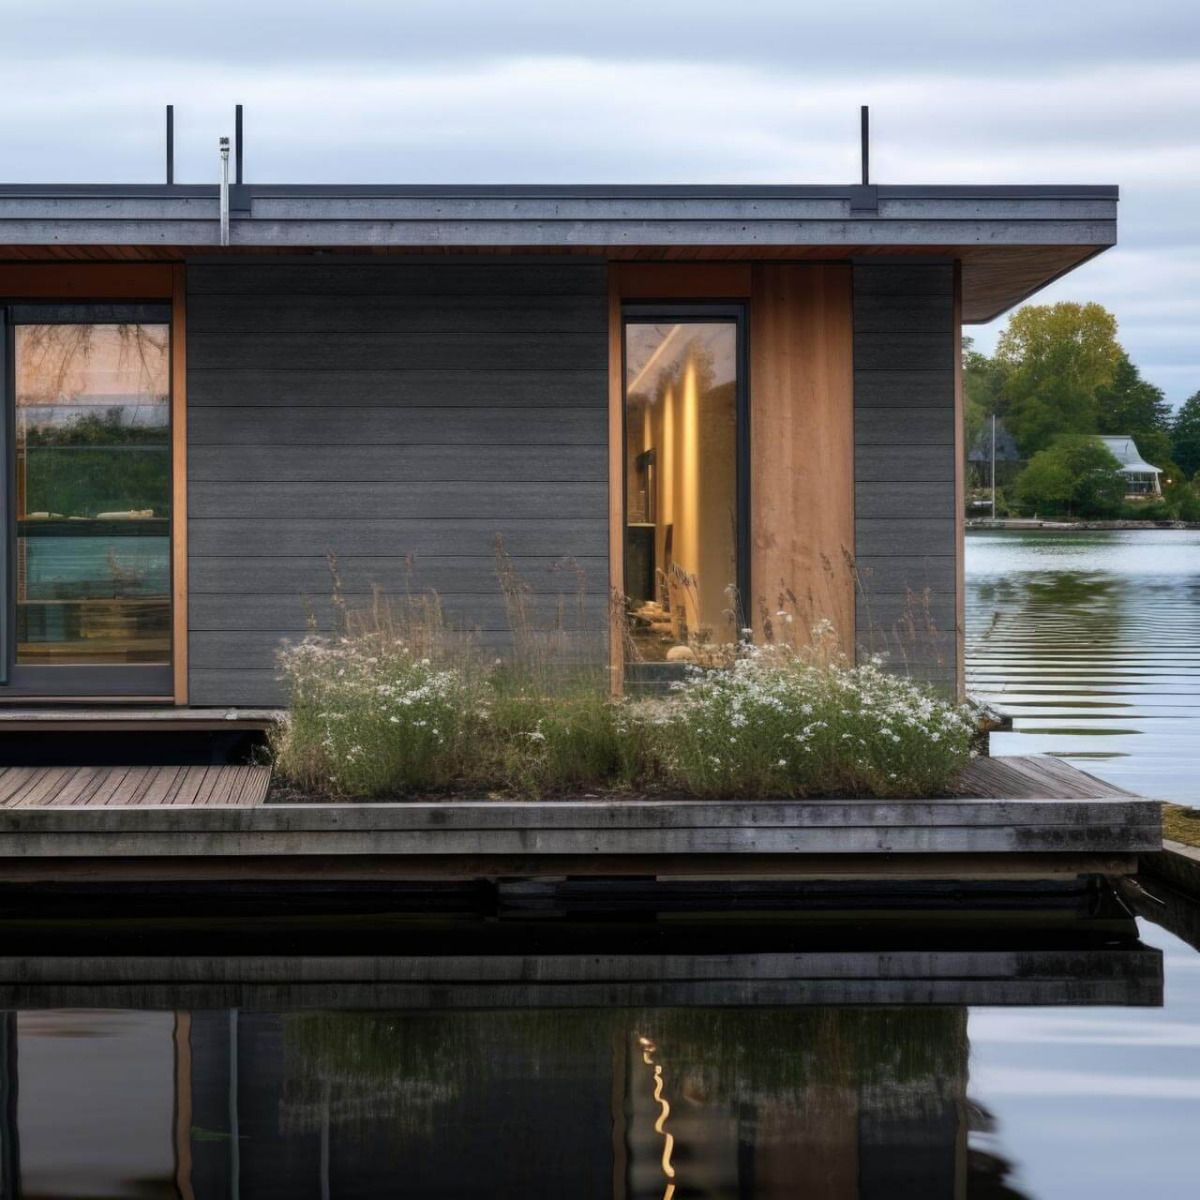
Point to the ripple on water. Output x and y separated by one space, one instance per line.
1092 642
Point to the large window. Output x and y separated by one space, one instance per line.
685 514
89 473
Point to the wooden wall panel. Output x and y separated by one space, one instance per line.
381 410
87 281
802 444
683 281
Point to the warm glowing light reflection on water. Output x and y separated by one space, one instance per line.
648 1048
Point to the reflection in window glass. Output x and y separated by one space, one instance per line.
681 487
93 463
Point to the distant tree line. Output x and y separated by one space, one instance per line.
1059 379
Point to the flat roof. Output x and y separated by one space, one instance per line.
1012 239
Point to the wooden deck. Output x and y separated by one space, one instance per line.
133 787
1017 817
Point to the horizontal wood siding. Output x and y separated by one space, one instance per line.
904 466
400 416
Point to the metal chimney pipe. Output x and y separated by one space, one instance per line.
224 191
170 144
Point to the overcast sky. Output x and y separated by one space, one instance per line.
613 91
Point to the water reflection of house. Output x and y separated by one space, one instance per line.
1141 479
821 1102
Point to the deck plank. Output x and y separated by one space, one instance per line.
125 790
11 782
75 786
43 787
84 797
1021 777
28 781
162 785
112 782
256 786
187 787
218 786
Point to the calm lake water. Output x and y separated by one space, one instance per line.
150 1091
1046 1050
1092 642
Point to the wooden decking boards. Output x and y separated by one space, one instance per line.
133 787
1017 777
1013 778
1020 817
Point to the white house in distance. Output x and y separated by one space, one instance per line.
1141 479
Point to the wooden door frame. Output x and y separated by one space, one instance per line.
658 284
798 372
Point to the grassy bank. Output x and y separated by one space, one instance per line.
1182 824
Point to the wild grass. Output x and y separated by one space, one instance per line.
399 702
781 722
1181 824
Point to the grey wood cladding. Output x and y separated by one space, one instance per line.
905 534
377 411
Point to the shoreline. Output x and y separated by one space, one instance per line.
1028 523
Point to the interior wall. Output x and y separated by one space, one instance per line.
696 430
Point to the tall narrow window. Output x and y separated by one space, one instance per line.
684 547
90 473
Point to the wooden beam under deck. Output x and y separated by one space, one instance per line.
126 718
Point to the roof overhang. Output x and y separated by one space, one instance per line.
1011 240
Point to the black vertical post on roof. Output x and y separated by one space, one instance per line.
865 114
170 143
237 143
8 496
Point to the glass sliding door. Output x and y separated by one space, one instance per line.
685 482
88 597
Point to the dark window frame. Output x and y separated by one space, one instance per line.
72 682
701 312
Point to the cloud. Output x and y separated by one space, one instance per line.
667 92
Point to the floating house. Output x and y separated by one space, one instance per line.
1141 479
698 411
719 404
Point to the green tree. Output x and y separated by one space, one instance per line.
1056 358
1185 435
96 463
983 390
1132 405
1077 476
